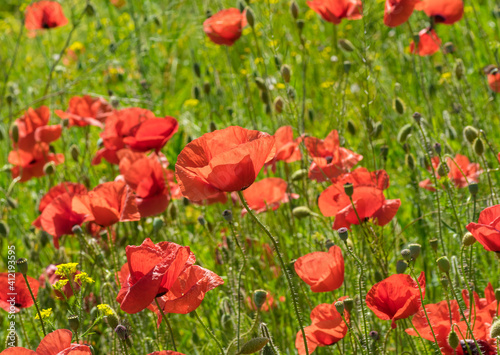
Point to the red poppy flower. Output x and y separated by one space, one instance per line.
222 161
152 134
225 26
12 300
329 159
428 43
368 198
324 272
49 275
439 316
55 343
267 193
442 11
287 149
86 110
327 328
221 197
335 10
33 127
151 271
472 172
488 303
494 81
107 204
487 229
398 12
29 159
43 15
57 217
396 297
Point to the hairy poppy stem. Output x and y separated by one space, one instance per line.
209 332
23 328
36 305
167 322
283 267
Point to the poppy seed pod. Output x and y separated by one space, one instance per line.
278 104
76 229
286 73
294 9
401 266
399 106
259 298
22 265
468 239
73 322
478 146
254 345
453 339
4 229
414 250
349 304
495 330
374 335
406 254
349 189
473 188
339 306
228 216
417 117
343 233
434 244
444 264
14 132
470 134
250 17
122 332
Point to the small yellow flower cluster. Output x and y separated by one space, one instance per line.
66 269
84 278
60 284
45 313
105 309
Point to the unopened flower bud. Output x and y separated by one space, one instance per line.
343 233
299 174
351 127
90 10
157 224
122 332
76 229
302 212
473 188
399 106
444 264
228 216
349 189
22 265
442 169
12 340
470 134
250 17
346 45
278 104
417 117
329 243
201 220
4 229
196 92
384 152
478 146
75 152
300 25
437 148
74 323
404 132
349 304
339 306
286 73
374 335
206 87
495 330
197 69
453 339
49 168
259 298
410 161
14 132
497 294
172 211
261 84
468 239
347 66
294 9
401 266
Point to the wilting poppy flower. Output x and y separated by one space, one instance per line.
324 272
57 217
396 297
43 15
222 161
428 43
152 134
225 26
22 298
55 343
287 149
327 328
329 159
494 81
107 204
51 277
439 316
398 12
487 229
472 172
151 271
335 10
368 199
86 110
442 11
267 193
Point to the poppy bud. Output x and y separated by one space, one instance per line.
347 66
228 216
377 129
294 9
351 128
302 212
453 339
9 98
277 62
201 220
250 17
300 25
196 92
75 152
437 148
384 151
349 304
414 250
90 9
299 174
157 224
449 47
12 203
444 264
434 244
286 73
478 146
468 239
459 69
442 169
49 168
213 126
495 330
349 189
329 243
401 266
410 161
346 45
264 97
417 117
197 69
399 106
14 132
4 229
254 345
406 254
339 306
444 282
470 134
278 104
259 298
374 335
473 188
74 323
22 265
76 229
208 13
206 88
122 332
497 294
261 84
343 233
291 93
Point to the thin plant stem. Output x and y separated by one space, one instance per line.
167 322
208 331
36 304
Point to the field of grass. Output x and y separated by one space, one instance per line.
358 77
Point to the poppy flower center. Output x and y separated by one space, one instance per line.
18 305
439 18
329 159
469 344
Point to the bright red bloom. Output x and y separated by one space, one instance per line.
443 11
108 204
324 272
494 81
439 316
49 275
57 217
428 43
472 172
267 193
33 128
151 271
225 26
335 10
86 110
488 303
398 12
222 161
327 328
396 297
55 343
487 229
30 158
152 134
22 298
287 149
368 198
43 15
